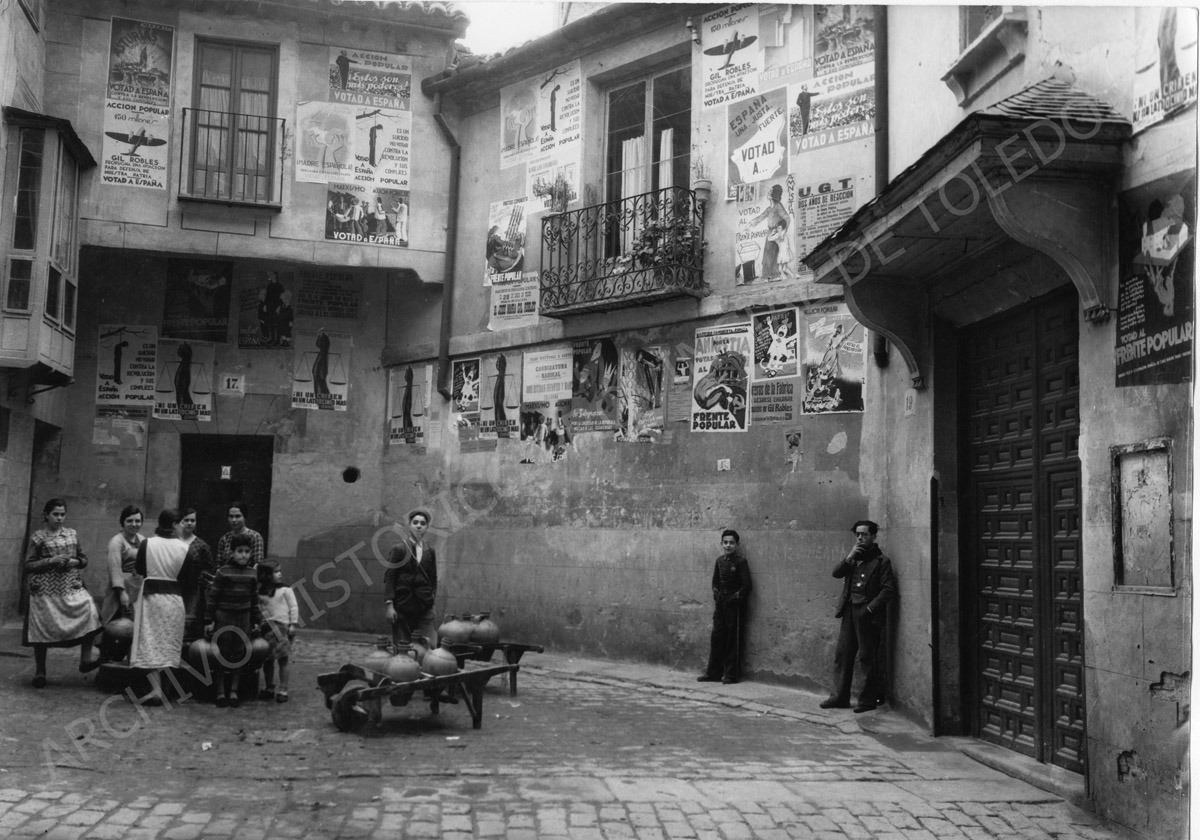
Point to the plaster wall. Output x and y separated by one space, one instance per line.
142 219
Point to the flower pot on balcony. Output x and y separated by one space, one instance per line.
702 187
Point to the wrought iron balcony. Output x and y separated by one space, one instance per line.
638 250
232 158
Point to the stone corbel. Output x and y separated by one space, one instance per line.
895 309
1070 221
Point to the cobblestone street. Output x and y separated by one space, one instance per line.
587 749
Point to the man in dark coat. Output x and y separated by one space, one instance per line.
731 588
410 583
869 586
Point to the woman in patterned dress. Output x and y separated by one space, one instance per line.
61 612
125 584
204 566
158 625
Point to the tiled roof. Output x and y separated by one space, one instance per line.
450 10
1054 99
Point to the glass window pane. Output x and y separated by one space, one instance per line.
20 278
66 212
68 318
29 181
54 281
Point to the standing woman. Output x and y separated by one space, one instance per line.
158 627
61 612
238 511
204 567
124 583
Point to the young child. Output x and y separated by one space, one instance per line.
280 617
231 614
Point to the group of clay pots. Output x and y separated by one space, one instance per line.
202 653
475 629
411 661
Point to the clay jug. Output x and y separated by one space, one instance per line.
402 668
486 632
455 630
120 629
420 648
200 655
440 662
377 658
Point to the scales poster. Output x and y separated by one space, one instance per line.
720 378
183 386
137 105
321 363
500 398
410 387
1164 72
126 364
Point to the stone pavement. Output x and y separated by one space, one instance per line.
588 749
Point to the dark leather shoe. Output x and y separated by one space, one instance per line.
864 707
706 678
729 680
834 703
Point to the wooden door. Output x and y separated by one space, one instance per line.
1022 544
217 470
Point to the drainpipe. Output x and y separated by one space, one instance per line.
935 612
443 378
879 344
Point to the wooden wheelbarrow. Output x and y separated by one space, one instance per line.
354 694
513 651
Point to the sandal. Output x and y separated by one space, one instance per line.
222 702
281 697
267 693
234 701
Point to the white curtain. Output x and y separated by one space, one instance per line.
635 180
666 159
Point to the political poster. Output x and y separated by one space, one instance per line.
324 142
500 397
765 235
643 403
365 215
552 182
126 364
184 381
515 301
505 243
197 298
1155 295
121 426
821 208
546 377
137 104
775 400
758 138
776 350
785 33
732 58
328 295
845 37
464 399
721 378
594 403
834 109
542 117
265 309
320 369
832 364
1164 72
410 388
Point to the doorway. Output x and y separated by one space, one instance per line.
217 470
1021 531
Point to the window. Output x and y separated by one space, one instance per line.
973 20
53 285
29 186
20 276
649 135
233 131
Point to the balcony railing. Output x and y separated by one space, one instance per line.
231 158
638 250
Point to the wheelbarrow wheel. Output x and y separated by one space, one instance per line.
348 714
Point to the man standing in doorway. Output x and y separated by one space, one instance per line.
869 587
731 588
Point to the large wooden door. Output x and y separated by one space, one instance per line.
1022 527
219 469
